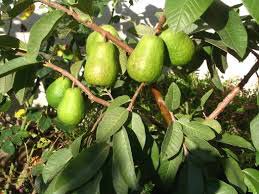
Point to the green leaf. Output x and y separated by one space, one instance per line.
81 169
172 142
75 146
219 187
228 25
257 159
253 9
173 97
138 127
254 126
19 8
182 13
141 30
205 97
44 123
6 82
155 155
123 158
168 169
202 149
252 180
120 100
15 64
8 147
76 67
40 30
197 129
123 59
231 154
112 121
119 184
214 124
55 163
236 140
92 187
7 41
234 173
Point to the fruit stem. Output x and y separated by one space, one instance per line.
78 83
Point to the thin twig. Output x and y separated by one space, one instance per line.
78 83
134 98
222 105
89 24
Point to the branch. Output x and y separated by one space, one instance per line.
89 24
168 116
134 97
222 105
161 22
78 83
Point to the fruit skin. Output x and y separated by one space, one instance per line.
71 108
56 91
102 67
146 61
179 45
96 37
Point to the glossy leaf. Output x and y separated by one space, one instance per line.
254 126
252 180
172 142
123 158
75 146
120 100
205 97
138 127
40 30
55 163
173 97
214 124
253 9
6 82
219 187
112 121
182 13
236 140
76 67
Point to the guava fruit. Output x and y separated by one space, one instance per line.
146 61
102 65
71 109
56 91
179 45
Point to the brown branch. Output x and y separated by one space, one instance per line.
89 24
222 105
134 97
78 83
167 115
161 22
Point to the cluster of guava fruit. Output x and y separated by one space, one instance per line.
145 64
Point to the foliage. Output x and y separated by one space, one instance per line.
114 150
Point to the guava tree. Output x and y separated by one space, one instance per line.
124 107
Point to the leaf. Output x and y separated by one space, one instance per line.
217 43
214 124
236 140
219 187
196 129
8 147
172 142
76 67
214 75
173 97
230 154
205 97
92 187
252 7
202 149
55 163
138 127
234 173
120 100
7 41
228 25
123 59
15 64
112 121
123 158
141 30
44 123
118 181
182 13
19 8
252 180
6 82
168 169
155 155
257 159
40 30
254 126
75 146
82 168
